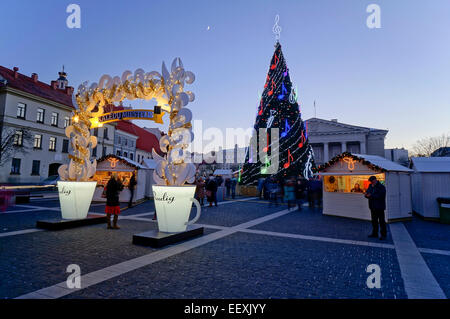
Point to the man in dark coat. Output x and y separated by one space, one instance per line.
211 188
131 186
376 193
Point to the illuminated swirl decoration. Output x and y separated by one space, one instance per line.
172 169
166 89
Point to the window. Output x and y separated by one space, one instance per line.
105 133
65 146
104 150
131 156
66 121
353 147
96 131
94 152
35 167
125 154
21 110
52 144
15 166
118 139
54 121
37 141
125 141
349 183
18 138
139 158
40 115
118 153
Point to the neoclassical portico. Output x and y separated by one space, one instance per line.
330 138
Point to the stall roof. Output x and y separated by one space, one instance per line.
127 160
384 163
431 164
377 162
222 172
149 163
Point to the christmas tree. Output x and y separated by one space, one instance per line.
278 108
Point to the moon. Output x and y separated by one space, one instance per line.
207 29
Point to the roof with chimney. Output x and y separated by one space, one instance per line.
31 85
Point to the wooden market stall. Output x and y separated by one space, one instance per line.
431 179
124 167
345 179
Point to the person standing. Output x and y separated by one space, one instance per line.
211 190
113 189
376 193
200 191
228 186
300 190
289 193
233 186
261 183
131 186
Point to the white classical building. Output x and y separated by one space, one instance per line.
330 138
41 112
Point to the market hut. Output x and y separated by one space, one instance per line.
345 179
430 180
124 167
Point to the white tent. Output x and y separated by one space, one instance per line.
342 197
430 180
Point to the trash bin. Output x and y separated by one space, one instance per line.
444 209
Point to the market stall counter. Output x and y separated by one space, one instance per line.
124 167
345 180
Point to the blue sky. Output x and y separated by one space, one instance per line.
395 78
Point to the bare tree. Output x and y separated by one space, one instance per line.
426 146
12 142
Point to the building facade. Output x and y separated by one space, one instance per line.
330 138
37 114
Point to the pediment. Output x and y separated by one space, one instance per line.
324 126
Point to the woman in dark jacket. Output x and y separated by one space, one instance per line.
113 189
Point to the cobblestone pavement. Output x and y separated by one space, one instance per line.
429 234
256 266
440 267
312 222
238 265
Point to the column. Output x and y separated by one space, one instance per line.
325 152
343 147
362 147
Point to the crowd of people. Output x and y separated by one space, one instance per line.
208 188
293 191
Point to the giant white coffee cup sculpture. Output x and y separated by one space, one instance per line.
173 199
75 188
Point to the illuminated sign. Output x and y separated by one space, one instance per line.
173 207
350 163
113 162
127 115
75 198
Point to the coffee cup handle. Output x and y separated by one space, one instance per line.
197 216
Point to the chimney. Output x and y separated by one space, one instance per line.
54 85
16 74
69 90
34 76
334 120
